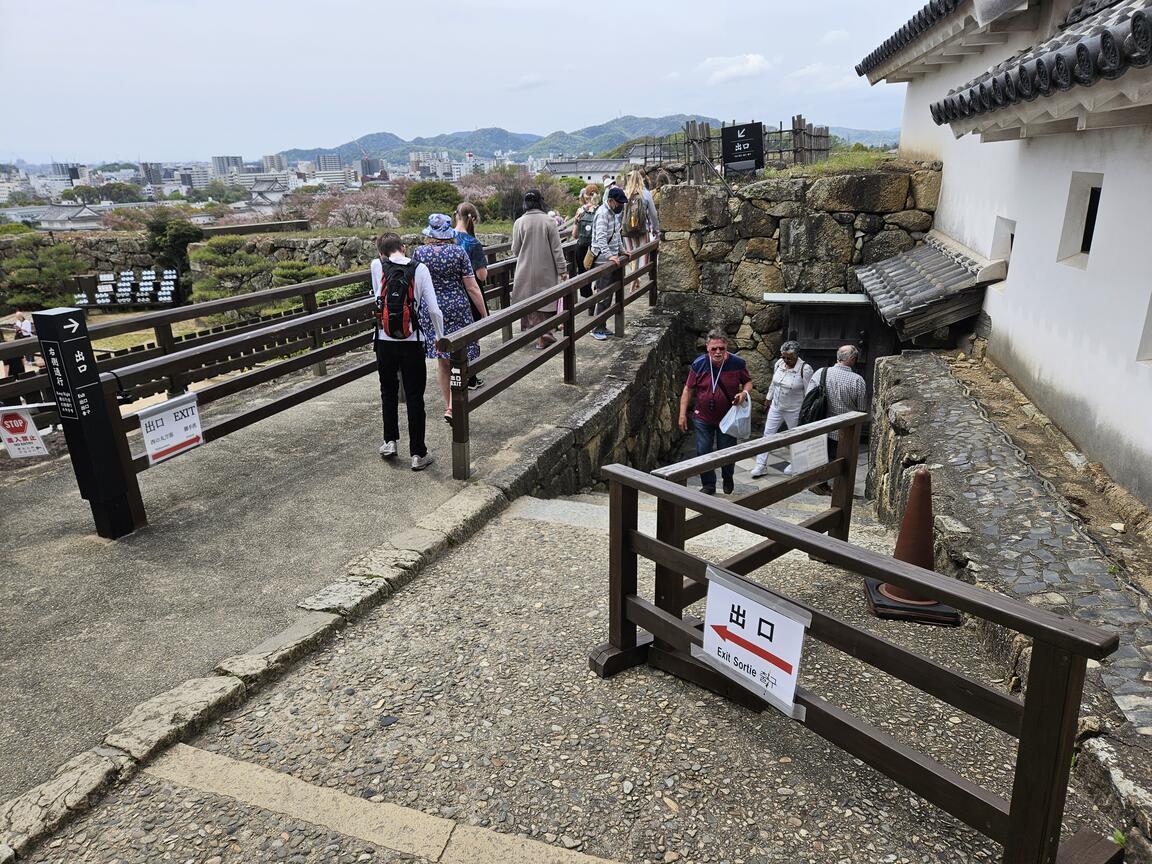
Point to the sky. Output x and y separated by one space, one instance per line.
167 80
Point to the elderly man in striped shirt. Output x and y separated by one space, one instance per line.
846 392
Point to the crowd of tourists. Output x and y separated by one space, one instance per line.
439 290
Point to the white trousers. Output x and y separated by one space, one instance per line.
776 418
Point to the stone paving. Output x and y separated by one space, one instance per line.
467 696
1013 529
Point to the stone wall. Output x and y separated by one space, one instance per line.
98 251
629 418
720 253
1000 527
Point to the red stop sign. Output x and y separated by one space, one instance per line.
14 423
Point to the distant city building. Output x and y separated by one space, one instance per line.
370 167
50 186
69 170
153 173
305 167
335 179
590 170
275 162
252 181
222 165
328 162
194 177
267 192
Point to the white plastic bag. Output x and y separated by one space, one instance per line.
738 421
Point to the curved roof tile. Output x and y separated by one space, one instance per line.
1102 39
932 13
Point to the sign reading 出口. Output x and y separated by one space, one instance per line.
171 427
742 147
755 638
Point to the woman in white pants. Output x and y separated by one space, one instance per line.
790 378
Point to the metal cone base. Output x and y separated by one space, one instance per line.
913 546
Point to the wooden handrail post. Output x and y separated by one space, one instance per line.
653 295
622 514
848 448
461 455
505 302
1044 758
669 583
619 323
167 344
321 368
569 336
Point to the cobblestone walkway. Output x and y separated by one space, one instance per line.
1018 534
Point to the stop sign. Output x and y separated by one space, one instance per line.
14 423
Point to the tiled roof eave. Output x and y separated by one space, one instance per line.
958 26
925 20
1096 52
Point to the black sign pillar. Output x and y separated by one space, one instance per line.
90 418
742 147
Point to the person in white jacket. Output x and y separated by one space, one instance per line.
401 357
790 377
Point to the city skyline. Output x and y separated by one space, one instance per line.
304 91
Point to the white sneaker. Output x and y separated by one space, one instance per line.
387 449
419 463
759 470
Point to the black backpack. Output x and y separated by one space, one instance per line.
396 306
815 404
585 225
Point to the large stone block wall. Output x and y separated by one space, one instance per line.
98 251
720 253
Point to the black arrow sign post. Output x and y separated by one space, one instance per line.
91 421
742 147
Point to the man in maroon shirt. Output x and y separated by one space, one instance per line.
718 380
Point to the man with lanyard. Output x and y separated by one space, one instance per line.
719 380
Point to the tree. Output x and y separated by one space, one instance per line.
39 275
228 269
427 197
574 185
7 229
176 195
26 199
169 234
84 194
218 190
120 193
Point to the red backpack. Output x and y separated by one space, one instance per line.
396 306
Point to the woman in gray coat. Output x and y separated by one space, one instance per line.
540 263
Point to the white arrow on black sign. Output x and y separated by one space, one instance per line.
740 134
72 324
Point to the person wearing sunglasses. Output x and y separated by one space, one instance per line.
718 380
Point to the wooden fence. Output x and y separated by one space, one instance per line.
625 288
800 144
1044 722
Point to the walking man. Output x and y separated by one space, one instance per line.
718 380
846 392
402 289
606 248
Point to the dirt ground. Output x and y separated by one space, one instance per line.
1111 515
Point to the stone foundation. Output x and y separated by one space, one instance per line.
1000 527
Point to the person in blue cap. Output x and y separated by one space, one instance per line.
454 281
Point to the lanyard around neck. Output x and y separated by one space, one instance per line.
716 375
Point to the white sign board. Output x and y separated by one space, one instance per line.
755 638
171 427
20 436
808 454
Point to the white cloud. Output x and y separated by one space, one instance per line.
530 81
834 36
820 77
720 69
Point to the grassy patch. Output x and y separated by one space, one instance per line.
141 337
840 162
372 233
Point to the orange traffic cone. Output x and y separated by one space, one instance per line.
913 546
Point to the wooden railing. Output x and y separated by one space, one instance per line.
1028 826
626 288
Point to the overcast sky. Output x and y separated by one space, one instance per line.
162 80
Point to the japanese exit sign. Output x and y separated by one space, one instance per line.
742 147
755 638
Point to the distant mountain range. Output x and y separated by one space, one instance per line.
867 137
485 142
591 139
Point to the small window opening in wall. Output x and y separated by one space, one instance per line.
1090 219
1080 217
1003 237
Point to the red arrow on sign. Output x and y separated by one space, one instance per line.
728 636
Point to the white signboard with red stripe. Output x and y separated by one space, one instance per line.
755 638
20 435
171 427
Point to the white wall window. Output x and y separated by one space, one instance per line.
1003 237
1084 193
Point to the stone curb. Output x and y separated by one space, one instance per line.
369 580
